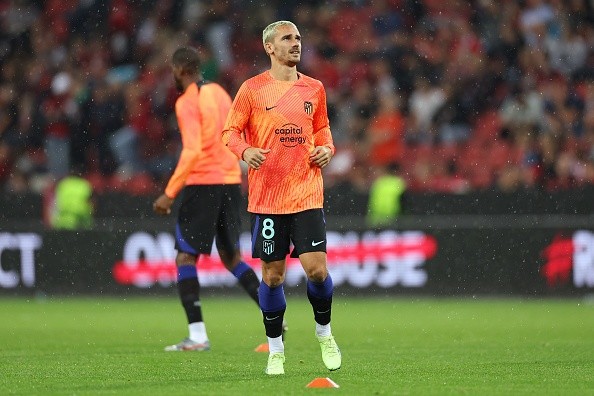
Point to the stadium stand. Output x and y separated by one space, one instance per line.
466 95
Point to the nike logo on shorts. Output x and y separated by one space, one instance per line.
270 108
314 243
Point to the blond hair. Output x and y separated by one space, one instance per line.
270 30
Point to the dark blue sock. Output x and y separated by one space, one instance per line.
321 290
247 279
320 298
271 298
189 292
186 272
240 269
273 304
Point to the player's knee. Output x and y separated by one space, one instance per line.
229 260
274 279
185 259
317 274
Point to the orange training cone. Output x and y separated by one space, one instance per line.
262 348
322 383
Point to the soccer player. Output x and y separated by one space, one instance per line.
278 124
208 177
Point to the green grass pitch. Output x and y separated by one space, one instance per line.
400 346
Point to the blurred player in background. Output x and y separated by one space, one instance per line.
73 202
208 177
279 126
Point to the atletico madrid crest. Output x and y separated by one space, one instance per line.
308 107
268 247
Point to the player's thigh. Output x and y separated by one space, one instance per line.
308 232
270 237
197 219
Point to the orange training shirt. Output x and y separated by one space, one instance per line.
290 118
204 159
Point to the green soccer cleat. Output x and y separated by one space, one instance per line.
330 353
276 364
188 345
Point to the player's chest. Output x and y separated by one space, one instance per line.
296 105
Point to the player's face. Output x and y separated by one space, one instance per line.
286 45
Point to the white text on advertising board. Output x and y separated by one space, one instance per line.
24 245
384 259
583 259
567 255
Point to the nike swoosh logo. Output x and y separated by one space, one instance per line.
270 108
323 312
313 243
267 318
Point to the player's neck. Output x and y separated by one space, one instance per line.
284 72
186 82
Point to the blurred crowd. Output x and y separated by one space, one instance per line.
459 95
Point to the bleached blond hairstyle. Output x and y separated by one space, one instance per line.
270 30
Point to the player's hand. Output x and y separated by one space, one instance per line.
162 205
255 157
321 156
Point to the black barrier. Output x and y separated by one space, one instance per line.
497 260
345 201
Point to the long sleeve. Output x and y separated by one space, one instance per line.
188 119
321 124
237 121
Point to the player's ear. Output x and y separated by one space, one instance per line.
269 48
184 71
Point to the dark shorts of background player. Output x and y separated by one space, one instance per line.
272 234
206 212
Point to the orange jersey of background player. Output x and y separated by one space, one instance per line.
290 118
201 114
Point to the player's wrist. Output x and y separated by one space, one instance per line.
243 153
241 149
169 195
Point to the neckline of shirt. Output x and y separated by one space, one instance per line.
299 78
